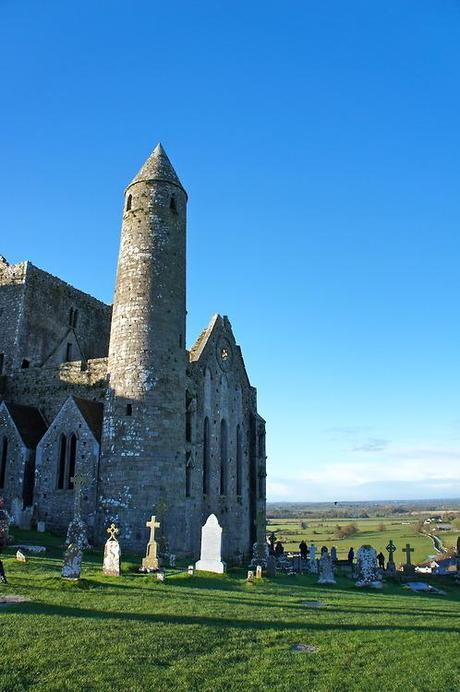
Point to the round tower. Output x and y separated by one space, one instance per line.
143 447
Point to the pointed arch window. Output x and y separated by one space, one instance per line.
239 460
72 461
61 462
206 455
3 459
223 456
129 203
188 474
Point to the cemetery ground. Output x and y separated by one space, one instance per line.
211 632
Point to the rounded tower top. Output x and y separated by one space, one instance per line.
158 168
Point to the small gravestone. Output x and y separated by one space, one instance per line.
191 571
259 572
312 564
211 546
250 576
271 566
368 571
150 561
161 576
73 556
20 557
326 569
41 526
391 567
303 648
172 560
334 554
112 553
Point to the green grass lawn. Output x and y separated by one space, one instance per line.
321 532
216 633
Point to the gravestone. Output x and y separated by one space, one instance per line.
260 553
150 561
16 511
41 526
408 568
161 576
391 567
368 571
77 532
334 554
259 572
191 570
172 560
211 546
112 553
20 557
250 576
73 556
271 566
312 564
326 569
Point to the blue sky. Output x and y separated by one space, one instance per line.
320 147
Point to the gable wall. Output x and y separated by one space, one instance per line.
18 462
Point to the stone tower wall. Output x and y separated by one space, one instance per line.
143 448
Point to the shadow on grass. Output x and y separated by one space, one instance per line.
171 619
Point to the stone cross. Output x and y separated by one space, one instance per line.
150 561
408 550
77 481
391 548
113 532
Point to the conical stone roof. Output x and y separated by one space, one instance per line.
157 167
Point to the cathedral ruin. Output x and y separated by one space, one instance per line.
112 395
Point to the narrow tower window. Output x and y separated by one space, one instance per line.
75 319
129 202
71 317
72 461
2 362
238 460
61 465
173 204
206 456
3 462
188 474
68 352
188 417
129 409
223 457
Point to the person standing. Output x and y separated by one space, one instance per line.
351 556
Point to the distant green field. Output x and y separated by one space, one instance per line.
321 532
212 633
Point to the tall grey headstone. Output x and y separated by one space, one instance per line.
368 571
73 556
326 569
211 547
312 565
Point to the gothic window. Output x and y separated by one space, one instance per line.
3 462
172 204
68 352
206 455
72 461
129 409
25 364
2 361
71 317
75 319
239 460
188 474
62 458
129 202
223 457
188 417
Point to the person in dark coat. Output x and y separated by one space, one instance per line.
381 560
279 549
303 547
351 556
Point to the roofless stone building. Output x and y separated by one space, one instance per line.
115 398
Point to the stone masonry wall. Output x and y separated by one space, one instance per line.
12 289
48 388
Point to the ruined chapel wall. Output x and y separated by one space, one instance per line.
12 289
48 388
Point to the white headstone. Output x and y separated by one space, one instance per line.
41 526
111 564
211 547
191 570
20 557
161 576
259 572
250 576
